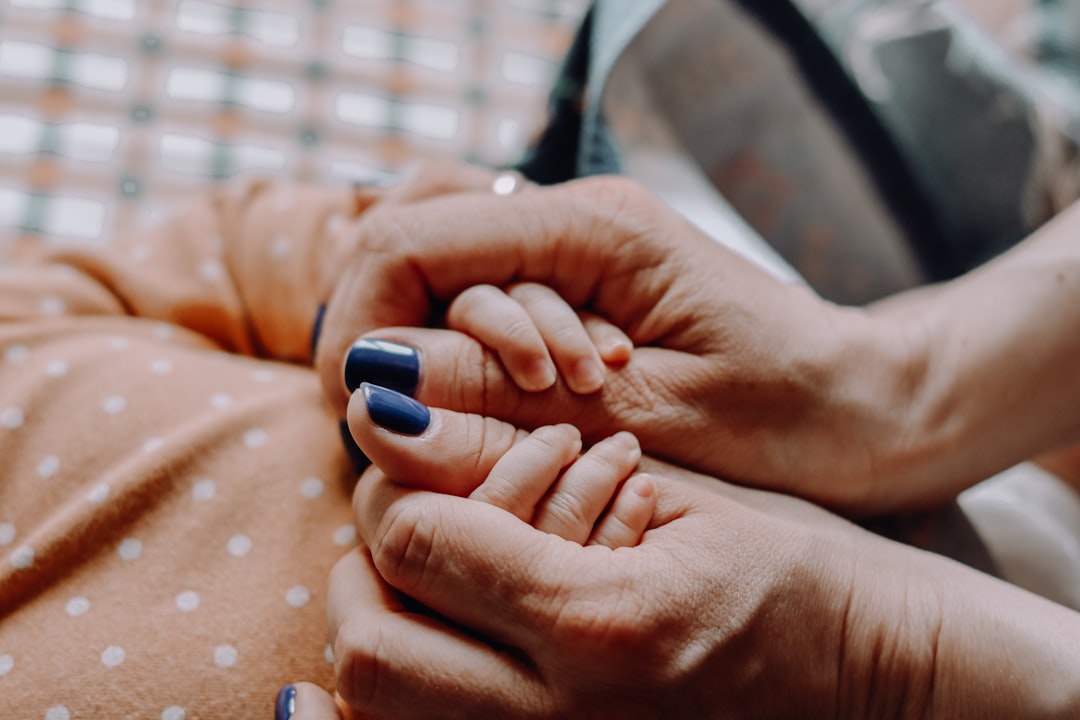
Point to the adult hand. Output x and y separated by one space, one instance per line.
734 374
737 603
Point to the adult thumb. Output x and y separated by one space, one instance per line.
305 701
426 448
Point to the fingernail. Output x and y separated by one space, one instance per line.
286 703
589 377
316 329
395 411
384 363
359 460
540 374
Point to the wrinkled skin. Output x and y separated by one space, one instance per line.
734 373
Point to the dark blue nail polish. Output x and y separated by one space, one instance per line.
395 411
286 703
316 329
383 363
359 460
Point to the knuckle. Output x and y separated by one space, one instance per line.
479 381
381 230
624 619
358 659
573 339
403 545
520 331
616 191
529 292
566 509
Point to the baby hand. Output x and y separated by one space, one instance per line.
591 499
536 334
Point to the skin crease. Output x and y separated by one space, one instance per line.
730 589
730 583
863 410
723 365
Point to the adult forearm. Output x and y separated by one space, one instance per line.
927 638
1003 652
991 363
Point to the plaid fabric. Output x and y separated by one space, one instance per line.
110 110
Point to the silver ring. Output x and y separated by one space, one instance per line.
508 182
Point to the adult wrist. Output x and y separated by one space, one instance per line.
874 375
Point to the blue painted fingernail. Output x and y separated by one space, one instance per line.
316 329
359 460
395 411
286 703
383 363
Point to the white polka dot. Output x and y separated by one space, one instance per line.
11 418
263 376
225 655
297 596
57 712
7 533
77 606
22 557
112 656
141 253
117 342
187 600
173 712
98 494
56 368
15 354
130 549
203 489
221 400
328 653
154 443
52 306
212 271
281 247
255 438
312 488
345 535
239 545
6 664
161 367
49 466
163 331
114 404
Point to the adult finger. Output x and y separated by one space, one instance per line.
305 701
588 240
441 550
393 661
653 395
431 448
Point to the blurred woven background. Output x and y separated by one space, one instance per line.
112 110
